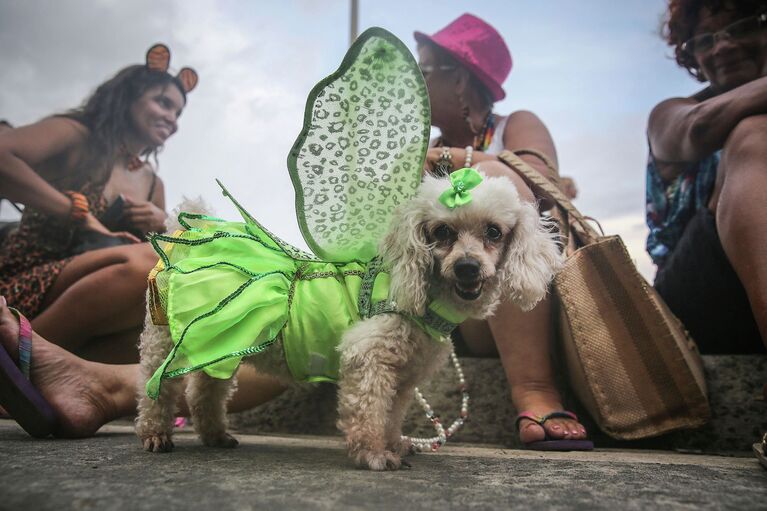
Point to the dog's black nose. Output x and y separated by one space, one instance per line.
467 269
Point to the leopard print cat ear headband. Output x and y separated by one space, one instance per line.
158 59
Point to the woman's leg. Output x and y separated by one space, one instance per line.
523 342
86 395
116 348
741 210
97 295
253 389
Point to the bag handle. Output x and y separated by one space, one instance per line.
572 217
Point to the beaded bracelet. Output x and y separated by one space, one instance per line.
469 154
80 209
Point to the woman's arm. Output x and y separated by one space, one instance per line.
23 148
524 130
689 129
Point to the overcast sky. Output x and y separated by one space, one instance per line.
591 70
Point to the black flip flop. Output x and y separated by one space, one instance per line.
18 396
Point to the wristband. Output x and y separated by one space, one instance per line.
80 210
444 164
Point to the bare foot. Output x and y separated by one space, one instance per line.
540 403
84 395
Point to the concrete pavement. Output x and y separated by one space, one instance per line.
111 471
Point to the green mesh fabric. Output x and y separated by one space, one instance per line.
228 291
361 151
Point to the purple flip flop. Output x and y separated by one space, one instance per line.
549 444
17 394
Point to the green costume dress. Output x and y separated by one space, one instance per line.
228 290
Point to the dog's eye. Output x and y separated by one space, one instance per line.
442 233
493 232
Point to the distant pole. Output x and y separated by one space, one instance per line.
353 22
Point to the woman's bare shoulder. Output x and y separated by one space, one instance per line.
47 138
524 117
524 122
525 130
670 104
61 125
51 134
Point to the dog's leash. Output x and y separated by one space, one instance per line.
419 444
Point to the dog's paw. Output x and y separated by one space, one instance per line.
224 440
158 443
402 448
378 461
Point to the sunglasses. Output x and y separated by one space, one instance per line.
741 29
427 70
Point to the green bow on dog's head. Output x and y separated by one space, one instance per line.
461 181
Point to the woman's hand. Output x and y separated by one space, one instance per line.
144 215
432 155
435 154
92 224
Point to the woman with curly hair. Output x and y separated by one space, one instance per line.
76 265
707 176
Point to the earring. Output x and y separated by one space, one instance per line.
466 113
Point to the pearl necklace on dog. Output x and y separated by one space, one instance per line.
434 443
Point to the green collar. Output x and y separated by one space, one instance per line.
440 319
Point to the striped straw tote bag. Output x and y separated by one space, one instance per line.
629 360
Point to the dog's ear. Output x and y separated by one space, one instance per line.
406 252
532 259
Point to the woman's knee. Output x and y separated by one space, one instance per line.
139 261
746 140
494 168
498 169
744 156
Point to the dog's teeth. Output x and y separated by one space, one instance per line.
468 293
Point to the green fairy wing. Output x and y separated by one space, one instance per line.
361 150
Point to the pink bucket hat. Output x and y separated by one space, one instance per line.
478 47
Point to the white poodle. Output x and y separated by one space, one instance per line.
472 256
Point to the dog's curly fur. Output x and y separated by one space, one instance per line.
473 256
